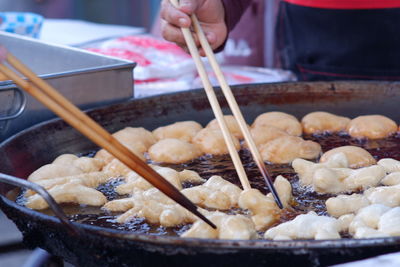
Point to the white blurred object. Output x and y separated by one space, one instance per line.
162 59
163 67
388 260
79 32
234 74
246 74
163 86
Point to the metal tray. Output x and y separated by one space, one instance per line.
87 79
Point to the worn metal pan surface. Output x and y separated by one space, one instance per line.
96 246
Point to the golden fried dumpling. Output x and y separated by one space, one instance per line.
72 192
232 124
49 171
391 179
306 226
216 193
131 136
263 134
318 122
263 209
371 126
306 169
228 227
356 156
137 140
327 180
211 141
117 168
345 204
153 206
280 120
91 179
184 130
174 151
66 165
390 165
371 222
385 195
285 149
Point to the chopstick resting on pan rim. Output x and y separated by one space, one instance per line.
230 99
48 96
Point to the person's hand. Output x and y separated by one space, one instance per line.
211 15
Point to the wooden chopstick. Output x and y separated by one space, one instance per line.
215 105
235 108
228 95
46 94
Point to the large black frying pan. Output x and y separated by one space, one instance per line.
96 246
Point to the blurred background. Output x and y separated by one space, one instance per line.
124 12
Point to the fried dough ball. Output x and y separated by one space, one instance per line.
369 221
86 164
385 195
152 205
325 179
137 140
388 196
190 176
130 136
208 198
135 181
263 134
389 223
390 165
356 156
285 149
92 179
345 221
263 208
216 193
345 204
391 179
173 151
53 171
73 192
306 226
319 122
66 165
371 126
183 130
280 120
228 227
306 169
338 180
232 124
218 183
117 168
211 141
107 157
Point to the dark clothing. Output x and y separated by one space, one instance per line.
335 41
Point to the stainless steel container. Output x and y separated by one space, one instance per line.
87 79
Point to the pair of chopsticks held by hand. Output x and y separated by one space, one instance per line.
48 96
187 34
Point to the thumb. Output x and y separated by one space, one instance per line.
188 6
